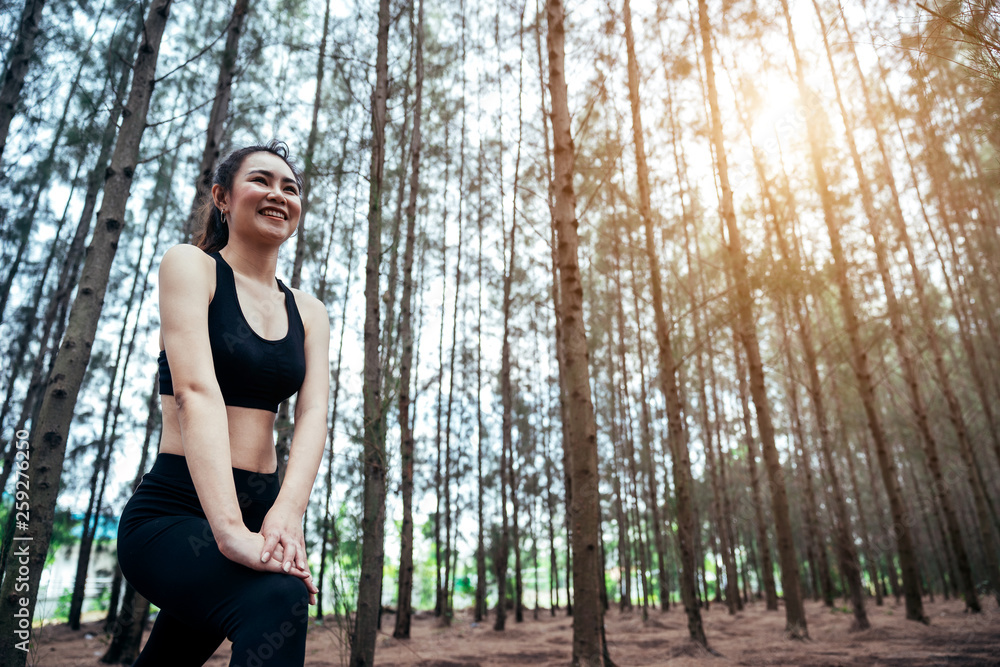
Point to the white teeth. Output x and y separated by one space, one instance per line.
273 213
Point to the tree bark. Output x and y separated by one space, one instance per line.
581 427
328 522
127 627
217 118
405 585
373 521
683 481
18 59
48 442
887 466
795 619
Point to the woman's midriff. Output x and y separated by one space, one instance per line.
251 436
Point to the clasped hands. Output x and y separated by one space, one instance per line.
278 547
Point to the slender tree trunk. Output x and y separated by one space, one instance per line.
24 223
48 442
59 300
283 422
683 481
328 522
646 458
904 541
17 61
795 620
449 574
516 529
217 118
550 505
588 650
815 541
373 521
869 554
676 437
389 337
405 584
716 466
127 626
441 554
507 399
917 403
767 566
481 606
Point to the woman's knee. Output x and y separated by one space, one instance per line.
278 601
274 629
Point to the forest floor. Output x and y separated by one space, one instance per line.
752 637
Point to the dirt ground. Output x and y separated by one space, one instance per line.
752 637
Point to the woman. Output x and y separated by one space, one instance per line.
209 536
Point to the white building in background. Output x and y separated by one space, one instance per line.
59 574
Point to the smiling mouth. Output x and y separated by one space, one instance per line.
273 213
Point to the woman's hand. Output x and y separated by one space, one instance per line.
245 547
283 540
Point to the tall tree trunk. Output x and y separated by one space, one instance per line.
112 405
887 466
405 585
917 402
795 619
375 463
550 506
217 118
646 458
588 649
767 566
440 554
628 435
17 61
127 627
955 414
481 607
870 558
283 422
558 326
59 300
328 522
25 221
449 573
683 481
507 399
815 541
48 442
715 466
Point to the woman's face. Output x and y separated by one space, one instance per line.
264 201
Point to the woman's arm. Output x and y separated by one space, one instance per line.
185 292
283 523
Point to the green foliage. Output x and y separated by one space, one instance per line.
61 612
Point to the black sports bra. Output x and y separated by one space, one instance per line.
253 372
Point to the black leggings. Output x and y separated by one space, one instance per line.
168 553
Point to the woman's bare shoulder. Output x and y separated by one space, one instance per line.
186 264
312 310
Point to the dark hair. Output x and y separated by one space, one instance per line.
213 234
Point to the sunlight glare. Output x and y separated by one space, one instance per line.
774 112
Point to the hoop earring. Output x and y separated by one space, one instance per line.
223 216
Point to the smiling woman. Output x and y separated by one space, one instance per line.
264 171
211 536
